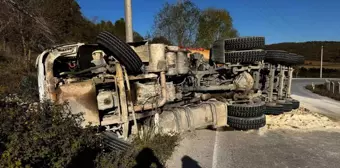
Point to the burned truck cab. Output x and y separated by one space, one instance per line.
117 85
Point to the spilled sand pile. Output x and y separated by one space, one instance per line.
301 119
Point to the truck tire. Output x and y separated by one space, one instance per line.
293 59
287 106
244 43
276 56
112 142
295 104
283 58
274 110
246 110
247 56
121 51
246 123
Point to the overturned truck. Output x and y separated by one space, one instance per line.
123 87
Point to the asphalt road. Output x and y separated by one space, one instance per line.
279 148
314 102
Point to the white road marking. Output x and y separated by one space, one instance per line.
214 161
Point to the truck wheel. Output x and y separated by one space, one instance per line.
244 43
112 142
276 56
274 110
295 104
121 51
294 59
246 110
248 56
246 123
287 106
283 58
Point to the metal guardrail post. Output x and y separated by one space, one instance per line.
333 86
339 87
281 79
290 77
271 82
328 85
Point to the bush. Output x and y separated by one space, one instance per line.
46 135
28 87
322 90
315 73
13 71
49 136
153 150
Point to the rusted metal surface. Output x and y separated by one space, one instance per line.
182 64
290 77
160 102
171 63
143 76
147 92
122 98
171 92
81 97
210 88
130 103
271 82
281 82
244 81
157 61
211 113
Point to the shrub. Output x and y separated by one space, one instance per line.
28 88
322 90
49 136
46 135
152 150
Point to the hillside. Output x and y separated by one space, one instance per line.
311 49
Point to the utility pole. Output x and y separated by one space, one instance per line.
128 21
321 61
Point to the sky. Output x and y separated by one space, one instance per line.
277 20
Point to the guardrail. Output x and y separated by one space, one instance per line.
332 85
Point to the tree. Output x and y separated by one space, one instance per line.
178 23
214 24
160 39
118 29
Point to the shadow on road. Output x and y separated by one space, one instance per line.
188 162
146 158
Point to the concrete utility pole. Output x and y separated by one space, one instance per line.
128 21
321 61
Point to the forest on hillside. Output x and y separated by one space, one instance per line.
311 50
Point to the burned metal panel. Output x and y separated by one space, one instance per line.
147 92
142 50
211 113
81 98
157 58
41 74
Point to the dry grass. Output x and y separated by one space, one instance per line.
322 90
316 64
